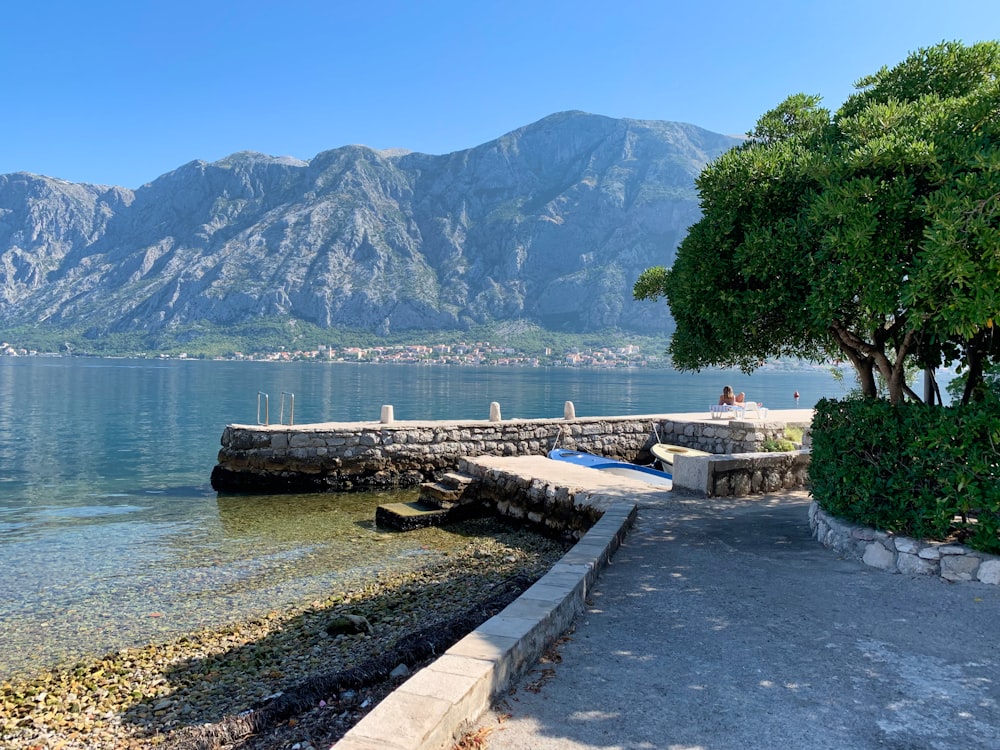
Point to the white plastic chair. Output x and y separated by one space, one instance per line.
722 411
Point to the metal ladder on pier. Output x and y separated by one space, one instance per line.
263 401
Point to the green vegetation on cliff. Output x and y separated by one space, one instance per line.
270 335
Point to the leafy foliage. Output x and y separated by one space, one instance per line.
991 383
778 446
871 234
929 473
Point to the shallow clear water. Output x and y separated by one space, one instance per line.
110 534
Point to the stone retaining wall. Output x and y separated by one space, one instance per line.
525 490
900 554
742 474
556 498
353 455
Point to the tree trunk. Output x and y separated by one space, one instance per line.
974 377
863 363
895 372
865 368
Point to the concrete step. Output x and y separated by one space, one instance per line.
448 491
439 495
406 516
456 479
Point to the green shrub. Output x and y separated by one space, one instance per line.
794 434
928 472
774 446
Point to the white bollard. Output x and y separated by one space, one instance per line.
569 411
494 411
386 417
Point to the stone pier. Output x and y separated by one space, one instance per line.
345 456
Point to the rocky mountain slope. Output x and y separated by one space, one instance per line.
550 224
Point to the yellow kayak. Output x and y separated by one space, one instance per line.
666 452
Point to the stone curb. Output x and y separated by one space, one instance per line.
432 708
901 554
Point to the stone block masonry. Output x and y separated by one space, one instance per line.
900 554
740 474
345 456
556 498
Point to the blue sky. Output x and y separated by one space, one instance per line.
120 92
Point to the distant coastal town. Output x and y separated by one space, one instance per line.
477 353
480 353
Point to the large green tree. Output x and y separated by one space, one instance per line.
871 234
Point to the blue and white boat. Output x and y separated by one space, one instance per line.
610 465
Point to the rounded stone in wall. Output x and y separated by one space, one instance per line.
741 485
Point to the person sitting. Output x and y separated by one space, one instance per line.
741 397
728 398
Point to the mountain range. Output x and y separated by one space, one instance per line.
549 224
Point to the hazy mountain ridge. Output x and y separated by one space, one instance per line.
551 223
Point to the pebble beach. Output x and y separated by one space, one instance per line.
191 691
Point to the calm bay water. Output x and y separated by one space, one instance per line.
110 534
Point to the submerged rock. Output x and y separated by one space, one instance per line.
349 625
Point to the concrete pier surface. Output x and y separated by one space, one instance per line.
788 416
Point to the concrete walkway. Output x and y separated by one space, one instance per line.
724 625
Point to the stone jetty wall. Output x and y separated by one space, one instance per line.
347 456
564 503
742 473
